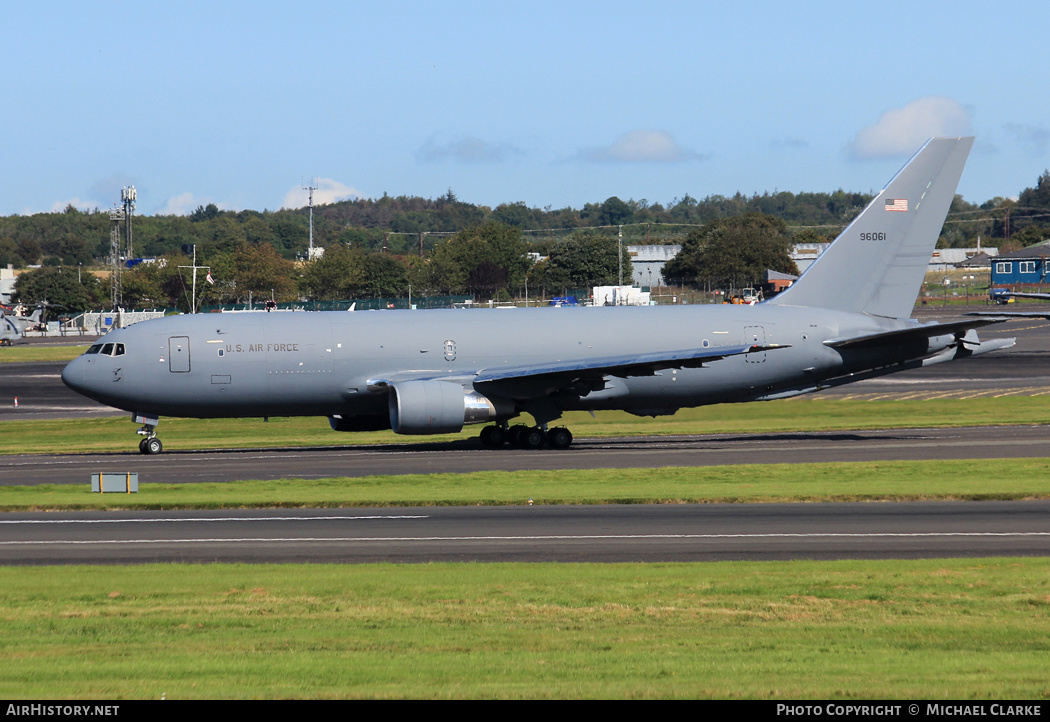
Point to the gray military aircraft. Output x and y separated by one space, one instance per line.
431 372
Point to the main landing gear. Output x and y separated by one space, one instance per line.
151 444
526 437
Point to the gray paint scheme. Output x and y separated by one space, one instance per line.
883 277
432 371
13 327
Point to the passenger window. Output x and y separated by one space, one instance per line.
107 350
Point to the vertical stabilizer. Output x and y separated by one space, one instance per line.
877 264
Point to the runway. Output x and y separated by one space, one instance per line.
541 533
612 533
173 467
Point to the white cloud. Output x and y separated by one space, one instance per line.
641 146
180 205
326 191
466 150
902 131
60 206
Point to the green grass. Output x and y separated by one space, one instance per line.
867 481
807 414
30 352
949 629
944 629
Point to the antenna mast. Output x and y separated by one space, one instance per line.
128 196
193 296
311 253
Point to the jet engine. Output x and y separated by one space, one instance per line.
440 407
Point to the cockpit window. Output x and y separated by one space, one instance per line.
106 349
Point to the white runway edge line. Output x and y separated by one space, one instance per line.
224 518
553 537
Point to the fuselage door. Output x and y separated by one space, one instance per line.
179 354
755 336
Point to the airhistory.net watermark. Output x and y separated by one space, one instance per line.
62 710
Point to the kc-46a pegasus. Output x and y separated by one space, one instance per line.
434 371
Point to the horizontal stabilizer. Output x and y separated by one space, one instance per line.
1022 294
1007 315
969 348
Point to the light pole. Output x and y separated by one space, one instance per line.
619 256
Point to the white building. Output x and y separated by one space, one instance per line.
648 263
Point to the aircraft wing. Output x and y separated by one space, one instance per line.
645 364
912 333
580 375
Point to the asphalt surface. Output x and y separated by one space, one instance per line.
620 533
609 533
617 453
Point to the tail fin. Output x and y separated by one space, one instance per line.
877 264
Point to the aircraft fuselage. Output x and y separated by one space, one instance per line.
327 363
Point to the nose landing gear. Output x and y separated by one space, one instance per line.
151 444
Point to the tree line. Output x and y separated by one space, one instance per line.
385 246
488 260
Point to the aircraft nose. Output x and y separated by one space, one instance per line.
73 375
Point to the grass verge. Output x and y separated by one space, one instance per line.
934 629
29 352
968 479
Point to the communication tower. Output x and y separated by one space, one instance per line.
116 216
311 252
121 251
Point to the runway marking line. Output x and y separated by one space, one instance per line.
198 519
553 537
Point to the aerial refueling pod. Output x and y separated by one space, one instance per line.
440 407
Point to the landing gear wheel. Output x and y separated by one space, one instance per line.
559 438
533 438
142 447
153 446
493 436
516 433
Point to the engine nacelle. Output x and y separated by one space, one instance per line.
439 407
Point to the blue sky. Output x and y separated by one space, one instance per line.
551 103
